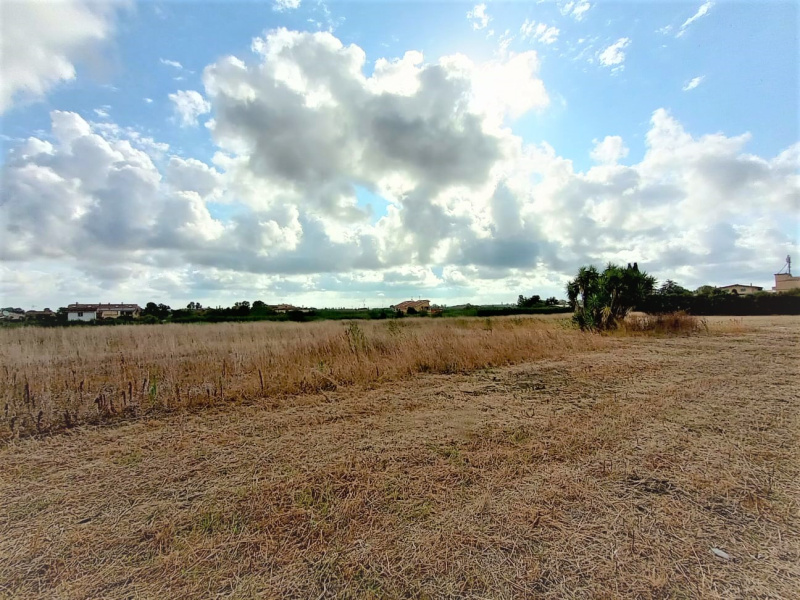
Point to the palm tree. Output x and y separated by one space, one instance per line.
601 301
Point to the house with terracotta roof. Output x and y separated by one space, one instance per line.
417 305
92 312
740 289
283 308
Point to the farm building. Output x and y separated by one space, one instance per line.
741 289
417 305
283 308
39 314
785 282
91 312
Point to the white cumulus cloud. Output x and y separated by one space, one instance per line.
577 9
701 12
479 17
693 83
170 63
284 5
539 32
609 150
41 42
615 53
473 212
189 105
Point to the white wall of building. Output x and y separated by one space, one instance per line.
82 316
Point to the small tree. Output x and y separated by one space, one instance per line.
523 302
708 290
159 311
242 308
670 288
602 300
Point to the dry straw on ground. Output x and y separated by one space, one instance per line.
611 472
672 323
57 378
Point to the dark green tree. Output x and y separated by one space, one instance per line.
669 287
602 300
523 302
241 308
708 290
159 311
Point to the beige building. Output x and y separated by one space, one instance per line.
785 282
91 312
741 290
417 305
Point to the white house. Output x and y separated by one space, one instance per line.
741 289
91 312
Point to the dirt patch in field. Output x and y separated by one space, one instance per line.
628 472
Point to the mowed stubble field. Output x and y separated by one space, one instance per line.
536 462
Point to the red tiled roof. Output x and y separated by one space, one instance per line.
411 303
96 307
735 285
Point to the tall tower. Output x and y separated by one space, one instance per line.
784 281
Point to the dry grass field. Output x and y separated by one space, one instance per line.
57 378
515 458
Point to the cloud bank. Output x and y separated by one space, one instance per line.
472 211
41 42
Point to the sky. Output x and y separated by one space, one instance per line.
364 153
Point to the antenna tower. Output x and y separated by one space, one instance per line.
787 265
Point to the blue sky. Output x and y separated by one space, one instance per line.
610 131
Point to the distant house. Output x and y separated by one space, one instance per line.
785 282
417 305
92 312
39 314
741 289
285 308
12 314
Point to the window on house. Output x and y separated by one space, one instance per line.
80 314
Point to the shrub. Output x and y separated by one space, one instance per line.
723 304
602 300
670 323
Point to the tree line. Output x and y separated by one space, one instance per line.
600 300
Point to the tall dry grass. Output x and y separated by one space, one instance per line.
670 323
56 378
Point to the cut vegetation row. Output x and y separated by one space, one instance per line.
657 467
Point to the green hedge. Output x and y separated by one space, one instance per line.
724 304
513 310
